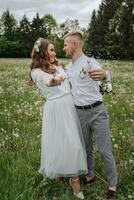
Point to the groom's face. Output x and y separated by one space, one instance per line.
69 46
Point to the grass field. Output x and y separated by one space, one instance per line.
20 129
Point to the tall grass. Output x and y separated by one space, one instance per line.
20 129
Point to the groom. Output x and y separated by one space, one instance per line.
83 74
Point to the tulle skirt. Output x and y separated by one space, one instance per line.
62 145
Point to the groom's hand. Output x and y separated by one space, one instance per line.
97 74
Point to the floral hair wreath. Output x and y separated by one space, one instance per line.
37 44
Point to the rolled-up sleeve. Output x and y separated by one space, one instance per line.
94 64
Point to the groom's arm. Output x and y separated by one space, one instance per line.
96 72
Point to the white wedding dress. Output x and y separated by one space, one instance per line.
62 144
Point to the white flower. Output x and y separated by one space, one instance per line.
130 196
82 73
37 44
116 146
106 85
36 47
113 139
16 135
1 90
124 4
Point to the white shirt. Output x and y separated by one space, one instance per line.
84 89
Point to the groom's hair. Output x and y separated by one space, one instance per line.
76 34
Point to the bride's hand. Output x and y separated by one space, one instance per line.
57 81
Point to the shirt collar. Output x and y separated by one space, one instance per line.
78 59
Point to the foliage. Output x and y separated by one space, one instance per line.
50 25
111 32
37 28
68 25
11 49
9 25
25 35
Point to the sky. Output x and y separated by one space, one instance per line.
60 9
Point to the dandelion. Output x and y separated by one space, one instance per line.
130 196
37 103
2 144
116 146
16 135
131 161
1 90
114 102
121 133
38 136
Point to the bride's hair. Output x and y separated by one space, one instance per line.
40 57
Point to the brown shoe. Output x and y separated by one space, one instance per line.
111 194
86 182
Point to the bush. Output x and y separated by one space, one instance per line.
10 48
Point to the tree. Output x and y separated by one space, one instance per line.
10 49
62 29
100 25
126 27
1 28
25 36
50 26
58 43
91 42
113 37
119 37
37 28
9 25
106 12
68 25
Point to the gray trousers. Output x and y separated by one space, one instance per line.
95 121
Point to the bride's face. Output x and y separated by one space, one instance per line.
51 53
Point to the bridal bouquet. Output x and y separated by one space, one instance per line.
106 85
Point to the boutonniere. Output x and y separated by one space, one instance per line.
82 73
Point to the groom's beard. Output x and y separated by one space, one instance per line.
70 55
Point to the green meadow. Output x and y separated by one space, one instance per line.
20 135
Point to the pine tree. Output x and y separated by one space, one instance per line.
38 29
120 35
50 26
1 28
113 37
109 9
25 36
9 25
106 11
91 42
126 28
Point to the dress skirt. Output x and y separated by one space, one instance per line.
62 145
